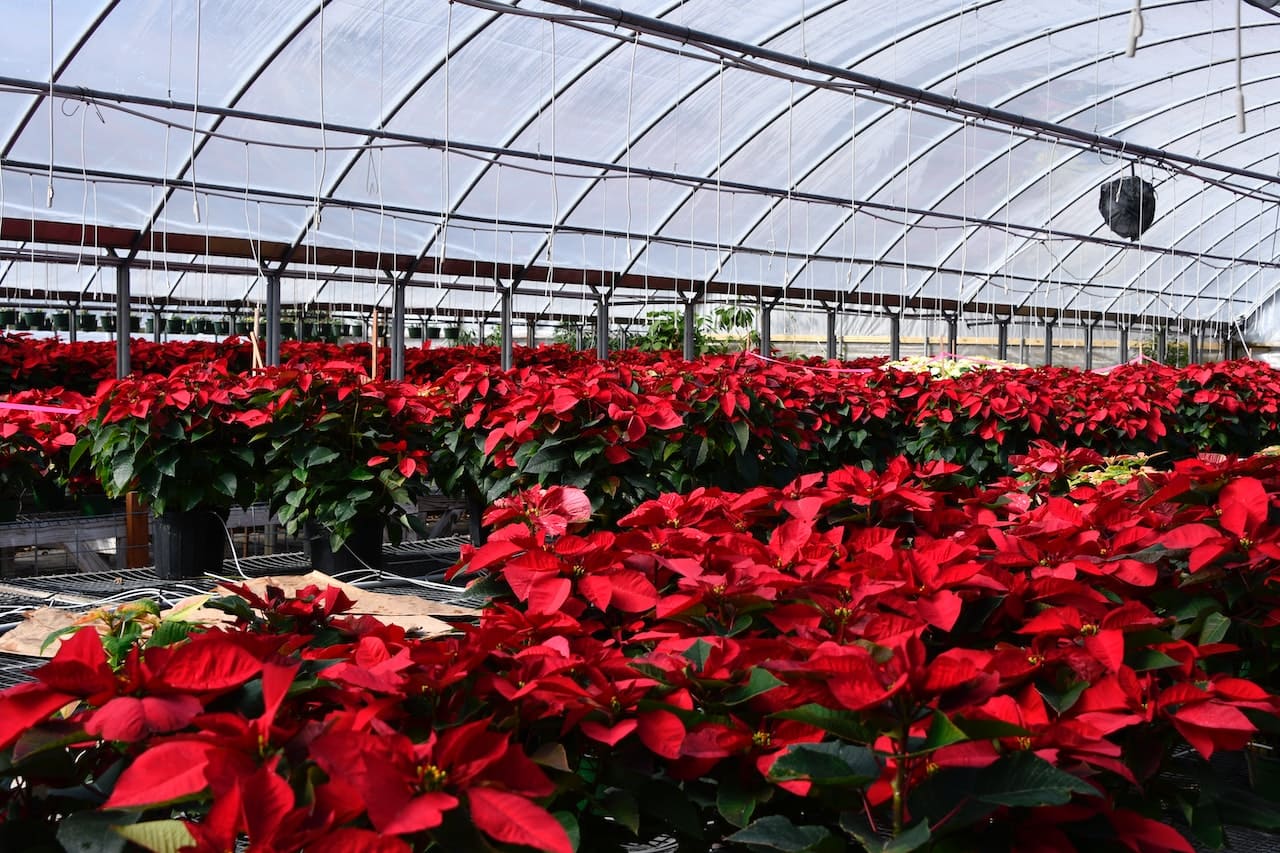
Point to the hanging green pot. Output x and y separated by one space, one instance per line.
151 324
288 330
204 326
135 324
8 317
61 321
176 325
222 328
33 319
415 332
87 322
108 322
242 327
434 332
453 333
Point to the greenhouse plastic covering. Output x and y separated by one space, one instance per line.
347 143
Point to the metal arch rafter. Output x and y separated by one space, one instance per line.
1081 195
779 114
1189 200
401 101
62 66
694 87
241 90
750 134
993 159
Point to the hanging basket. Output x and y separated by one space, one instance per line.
176 325
242 327
87 322
61 321
434 332
222 328
188 544
8 317
453 333
108 322
287 330
415 332
135 324
362 550
33 319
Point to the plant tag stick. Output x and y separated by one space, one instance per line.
253 340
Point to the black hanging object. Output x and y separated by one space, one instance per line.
1128 205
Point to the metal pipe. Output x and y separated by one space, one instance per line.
1088 346
1162 344
895 335
766 329
1002 339
953 334
602 326
1193 347
273 319
530 332
690 318
397 329
831 332
508 350
1122 351
1048 340
123 321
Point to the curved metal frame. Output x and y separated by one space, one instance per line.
988 162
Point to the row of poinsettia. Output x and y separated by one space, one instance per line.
28 363
631 428
817 667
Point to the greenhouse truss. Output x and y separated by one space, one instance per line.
938 163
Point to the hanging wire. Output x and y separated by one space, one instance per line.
48 196
1240 119
195 115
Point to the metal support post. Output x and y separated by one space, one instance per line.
1048 340
1088 346
72 312
123 322
1193 347
273 319
396 344
832 317
530 333
1162 344
602 326
766 329
1122 351
895 335
690 318
953 334
1002 340
508 352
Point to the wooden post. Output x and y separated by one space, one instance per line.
137 533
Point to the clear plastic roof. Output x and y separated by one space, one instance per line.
580 151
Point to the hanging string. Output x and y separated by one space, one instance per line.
631 85
195 116
446 182
324 133
48 195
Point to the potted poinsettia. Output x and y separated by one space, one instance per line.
182 442
340 459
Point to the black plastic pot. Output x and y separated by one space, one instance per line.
222 328
242 328
452 333
108 322
188 544
176 325
87 322
61 321
434 332
33 319
135 324
415 333
8 317
362 550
